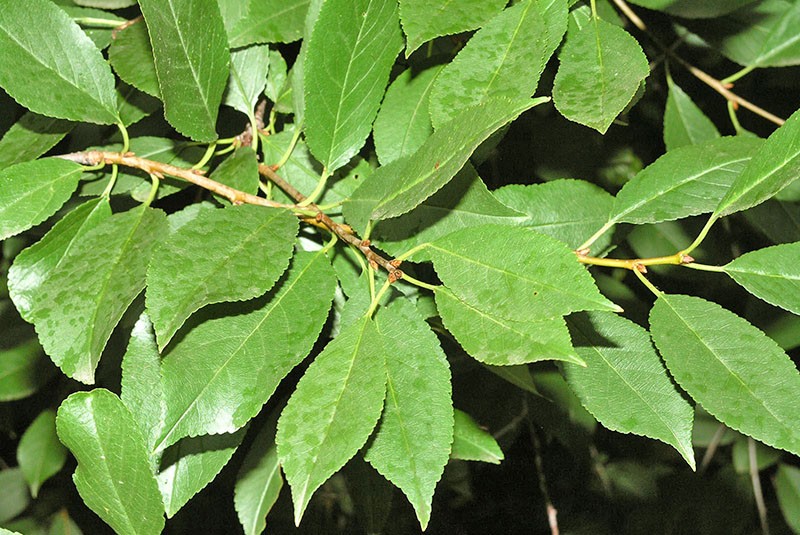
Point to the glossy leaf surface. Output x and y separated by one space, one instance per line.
423 20
270 21
131 55
350 53
72 80
113 474
413 442
192 73
730 367
244 348
333 411
624 384
249 68
771 274
244 251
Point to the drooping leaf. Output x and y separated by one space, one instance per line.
403 122
134 105
113 475
472 443
246 348
333 411
787 487
686 181
278 88
239 171
249 68
772 42
69 80
15 494
270 21
30 137
511 271
624 384
192 69
684 122
403 184
461 203
86 294
232 254
33 191
498 341
142 386
771 273
551 208
24 369
775 166
131 55
730 367
413 442
601 69
33 266
191 464
503 59
259 482
350 53
40 455
423 20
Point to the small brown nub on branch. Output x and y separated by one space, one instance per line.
641 268
395 276
395 263
686 259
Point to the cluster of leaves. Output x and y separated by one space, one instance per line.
213 305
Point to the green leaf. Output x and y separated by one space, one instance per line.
278 88
403 123
191 464
778 221
62 524
33 191
403 184
106 4
40 455
730 367
113 475
333 410
244 348
423 20
86 294
510 271
684 122
771 274
30 137
694 9
192 67
132 58
201 263
24 369
473 443
601 69
461 203
740 454
239 171
775 166
551 209
133 105
142 385
624 384
33 266
772 42
15 494
350 53
258 483
686 181
270 21
413 442
497 341
70 80
503 59
249 68
787 487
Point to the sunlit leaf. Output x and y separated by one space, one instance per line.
249 67
259 482
684 122
772 273
270 21
132 58
423 20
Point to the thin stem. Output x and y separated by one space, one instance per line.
317 193
411 251
254 128
635 264
96 22
376 300
588 243
290 149
593 4
326 207
704 267
412 280
126 141
756 481
737 75
712 447
153 189
703 233
734 118
552 512
647 283
628 12
111 181
207 156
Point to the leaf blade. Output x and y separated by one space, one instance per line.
770 274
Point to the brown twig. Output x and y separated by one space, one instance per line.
552 512
124 25
344 232
701 75
158 169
